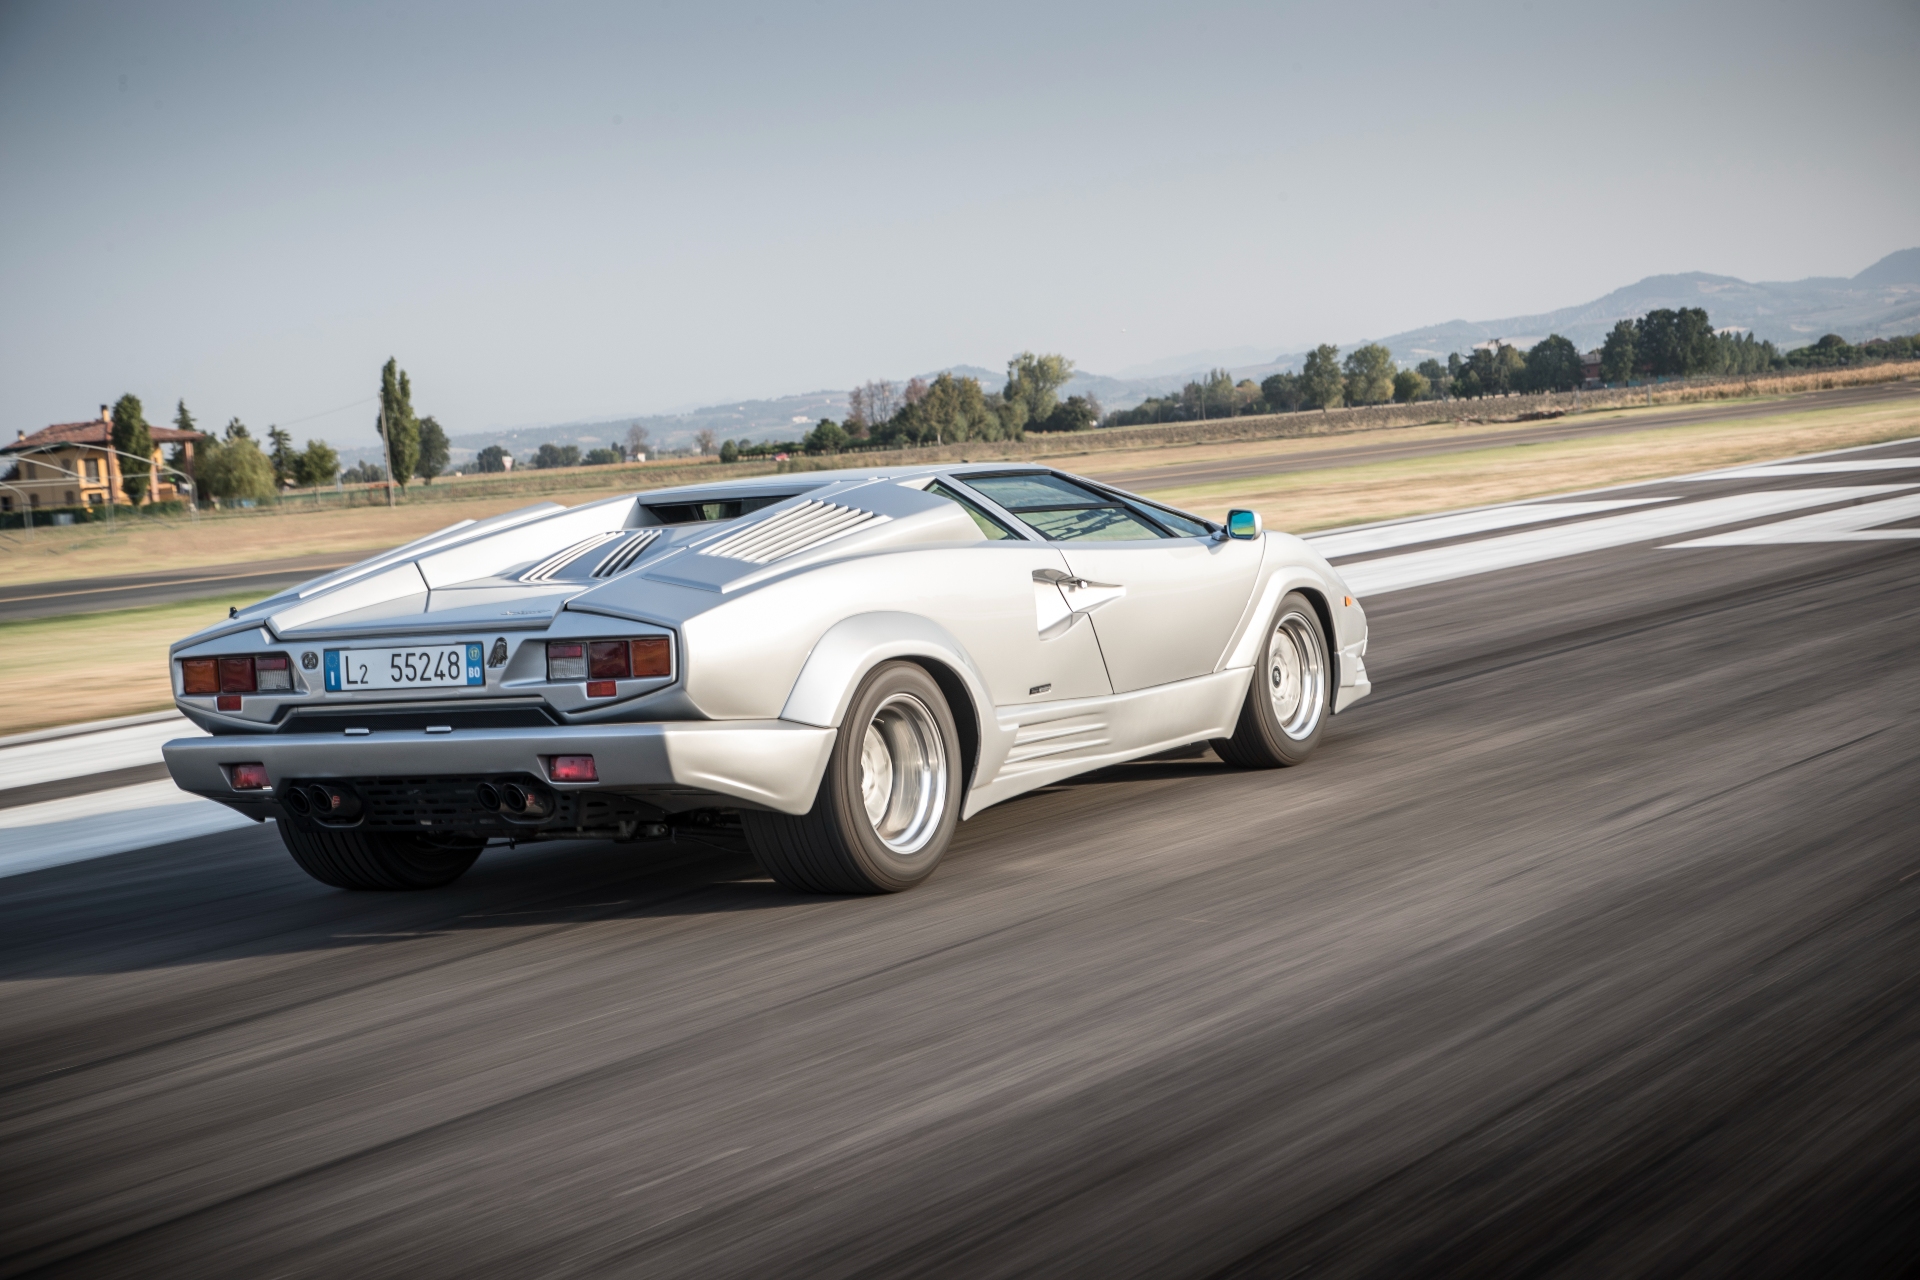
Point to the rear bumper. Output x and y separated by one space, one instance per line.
765 764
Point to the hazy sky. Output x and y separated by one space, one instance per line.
566 211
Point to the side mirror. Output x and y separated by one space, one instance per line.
1243 524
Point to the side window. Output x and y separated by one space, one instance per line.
1182 524
1063 511
994 530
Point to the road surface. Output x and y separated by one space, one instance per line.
1586 946
24 600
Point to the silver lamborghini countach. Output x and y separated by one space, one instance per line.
839 666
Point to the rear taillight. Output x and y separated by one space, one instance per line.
248 777
256 673
652 656
599 661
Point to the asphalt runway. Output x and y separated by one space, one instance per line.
24 600
1383 446
1586 946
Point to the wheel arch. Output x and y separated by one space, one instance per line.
854 646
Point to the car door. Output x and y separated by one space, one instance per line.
1045 653
1163 591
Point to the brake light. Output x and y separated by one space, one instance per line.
652 656
607 660
199 676
249 777
236 675
573 769
566 661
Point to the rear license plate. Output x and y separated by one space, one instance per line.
430 666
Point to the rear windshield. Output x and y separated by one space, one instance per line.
698 512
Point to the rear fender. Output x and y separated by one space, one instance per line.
854 646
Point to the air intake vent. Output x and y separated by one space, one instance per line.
550 568
794 530
621 558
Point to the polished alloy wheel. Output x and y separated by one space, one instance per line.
903 773
1296 674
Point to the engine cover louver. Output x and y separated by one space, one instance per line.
792 531
550 568
621 558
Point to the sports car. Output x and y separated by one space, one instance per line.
838 666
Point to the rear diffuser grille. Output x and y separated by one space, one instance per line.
452 806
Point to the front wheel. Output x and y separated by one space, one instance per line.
1286 706
889 801
378 859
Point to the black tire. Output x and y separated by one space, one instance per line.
836 846
377 859
1276 730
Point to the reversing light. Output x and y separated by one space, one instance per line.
248 777
573 769
566 661
272 673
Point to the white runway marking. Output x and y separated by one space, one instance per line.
86 753
1433 528
1848 524
1442 564
57 832
1774 470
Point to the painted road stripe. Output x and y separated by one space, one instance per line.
35 836
99 752
1774 470
1848 524
1442 564
1459 525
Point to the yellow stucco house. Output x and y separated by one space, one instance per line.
72 464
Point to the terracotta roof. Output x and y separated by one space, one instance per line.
93 431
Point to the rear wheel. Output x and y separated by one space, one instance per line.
890 799
378 859
1286 706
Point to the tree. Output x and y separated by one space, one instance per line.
1369 372
364 473
1619 354
1034 382
282 455
1075 413
825 438
434 450
316 465
396 422
870 405
602 457
1410 385
556 455
729 452
1674 344
491 459
637 442
703 439
1436 375
1283 392
1321 382
235 469
134 442
1553 365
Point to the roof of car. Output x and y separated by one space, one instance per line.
799 481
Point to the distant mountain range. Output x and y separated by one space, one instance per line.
1881 301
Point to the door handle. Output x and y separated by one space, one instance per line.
1061 579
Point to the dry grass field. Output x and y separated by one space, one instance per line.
92 666
1303 501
